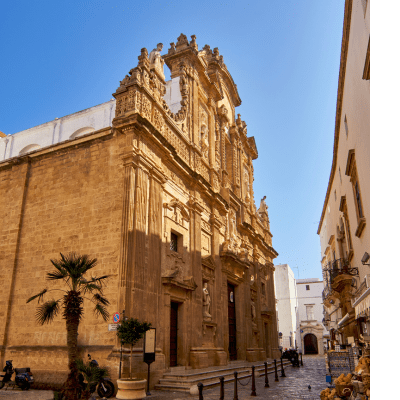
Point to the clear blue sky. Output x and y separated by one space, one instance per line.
62 57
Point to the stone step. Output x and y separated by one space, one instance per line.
210 377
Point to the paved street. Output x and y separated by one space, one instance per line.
293 387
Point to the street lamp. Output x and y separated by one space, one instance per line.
365 259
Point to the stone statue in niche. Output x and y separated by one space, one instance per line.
204 141
206 302
247 186
253 312
156 61
232 223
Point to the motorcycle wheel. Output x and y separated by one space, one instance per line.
105 389
25 386
2 384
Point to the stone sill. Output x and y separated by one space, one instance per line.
361 225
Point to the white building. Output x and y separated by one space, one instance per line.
311 334
285 292
72 126
59 130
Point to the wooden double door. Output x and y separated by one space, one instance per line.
173 336
232 322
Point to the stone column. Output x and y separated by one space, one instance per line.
220 295
139 306
153 272
127 232
195 314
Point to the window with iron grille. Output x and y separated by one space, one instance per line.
173 245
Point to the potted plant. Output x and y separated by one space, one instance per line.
129 332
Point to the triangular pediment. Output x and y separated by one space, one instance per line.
209 262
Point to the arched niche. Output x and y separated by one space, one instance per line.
29 148
81 132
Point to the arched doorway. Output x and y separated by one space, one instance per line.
310 344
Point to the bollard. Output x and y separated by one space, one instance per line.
266 375
282 370
222 392
253 383
276 372
301 358
200 386
235 395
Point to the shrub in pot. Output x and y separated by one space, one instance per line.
130 331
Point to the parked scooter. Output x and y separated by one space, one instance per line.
105 388
23 376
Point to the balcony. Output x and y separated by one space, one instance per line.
332 270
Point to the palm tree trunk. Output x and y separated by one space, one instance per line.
72 337
72 313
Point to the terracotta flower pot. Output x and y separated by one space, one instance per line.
131 389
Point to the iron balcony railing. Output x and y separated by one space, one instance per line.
334 268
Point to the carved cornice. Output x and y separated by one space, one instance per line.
186 286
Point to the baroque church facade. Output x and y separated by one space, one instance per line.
161 193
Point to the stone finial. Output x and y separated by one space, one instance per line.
144 58
182 42
207 49
193 42
216 52
172 49
239 121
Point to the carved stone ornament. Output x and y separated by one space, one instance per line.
223 114
180 214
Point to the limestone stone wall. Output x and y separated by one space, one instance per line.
65 200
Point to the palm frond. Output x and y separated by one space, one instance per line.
99 309
90 287
98 298
100 280
47 311
39 296
93 374
52 276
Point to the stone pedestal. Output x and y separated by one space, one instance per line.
255 354
204 357
131 389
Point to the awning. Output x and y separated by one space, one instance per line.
343 320
362 305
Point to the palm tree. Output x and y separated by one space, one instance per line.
71 269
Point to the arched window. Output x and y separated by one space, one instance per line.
81 132
29 148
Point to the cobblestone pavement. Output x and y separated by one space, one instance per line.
18 394
293 387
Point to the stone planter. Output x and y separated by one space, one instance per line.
131 389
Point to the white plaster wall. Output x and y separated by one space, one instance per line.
173 94
356 106
285 292
309 297
59 130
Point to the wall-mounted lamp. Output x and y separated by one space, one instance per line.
365 259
